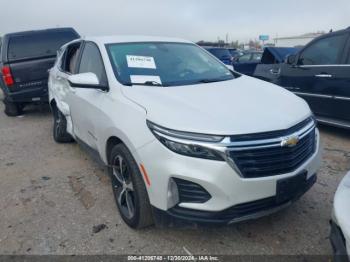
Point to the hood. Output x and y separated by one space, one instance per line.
239 106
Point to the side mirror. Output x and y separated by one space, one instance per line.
86 80
291 59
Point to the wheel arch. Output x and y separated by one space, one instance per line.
110 143
53 104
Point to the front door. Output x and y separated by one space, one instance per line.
86 109
316 74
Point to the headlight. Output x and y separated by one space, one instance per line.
186 143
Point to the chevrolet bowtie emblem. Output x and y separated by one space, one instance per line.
290 141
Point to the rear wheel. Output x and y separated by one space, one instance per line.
13 109
60 133
129 189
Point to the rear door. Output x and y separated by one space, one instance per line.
341 89
316 74
31 55
67 67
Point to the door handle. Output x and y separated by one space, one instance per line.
275 71
324 75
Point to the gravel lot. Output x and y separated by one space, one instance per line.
52 196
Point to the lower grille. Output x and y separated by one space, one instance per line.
239 212
190 192
260 159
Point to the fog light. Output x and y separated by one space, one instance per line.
173 194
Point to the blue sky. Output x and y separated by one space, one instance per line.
191 19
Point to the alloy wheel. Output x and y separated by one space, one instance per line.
58 121
123 187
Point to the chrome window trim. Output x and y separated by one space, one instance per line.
322 96
331 65
333 123
313 95
342 98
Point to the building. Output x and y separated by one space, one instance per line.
295 41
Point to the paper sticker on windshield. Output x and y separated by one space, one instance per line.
141 79
141 61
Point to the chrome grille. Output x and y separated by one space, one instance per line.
258 157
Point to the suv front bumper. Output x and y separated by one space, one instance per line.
234 214
225 186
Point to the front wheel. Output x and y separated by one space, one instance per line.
60 134
129 189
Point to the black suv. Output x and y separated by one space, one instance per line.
25 59
320 73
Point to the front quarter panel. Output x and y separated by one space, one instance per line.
123 119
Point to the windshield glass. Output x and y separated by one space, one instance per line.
166 64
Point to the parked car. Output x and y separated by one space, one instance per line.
269 68
24 62
320 73
183 137
247 62
340 224
235 52
221 53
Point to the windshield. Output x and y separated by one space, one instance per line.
165 64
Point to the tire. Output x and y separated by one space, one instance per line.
13 109
129 189
60 134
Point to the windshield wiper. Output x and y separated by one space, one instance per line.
147 83
212 80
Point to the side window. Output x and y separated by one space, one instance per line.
245 58
70 58
91 62
256 57
326 51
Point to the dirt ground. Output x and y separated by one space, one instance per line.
53 198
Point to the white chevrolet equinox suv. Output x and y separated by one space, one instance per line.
184 138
